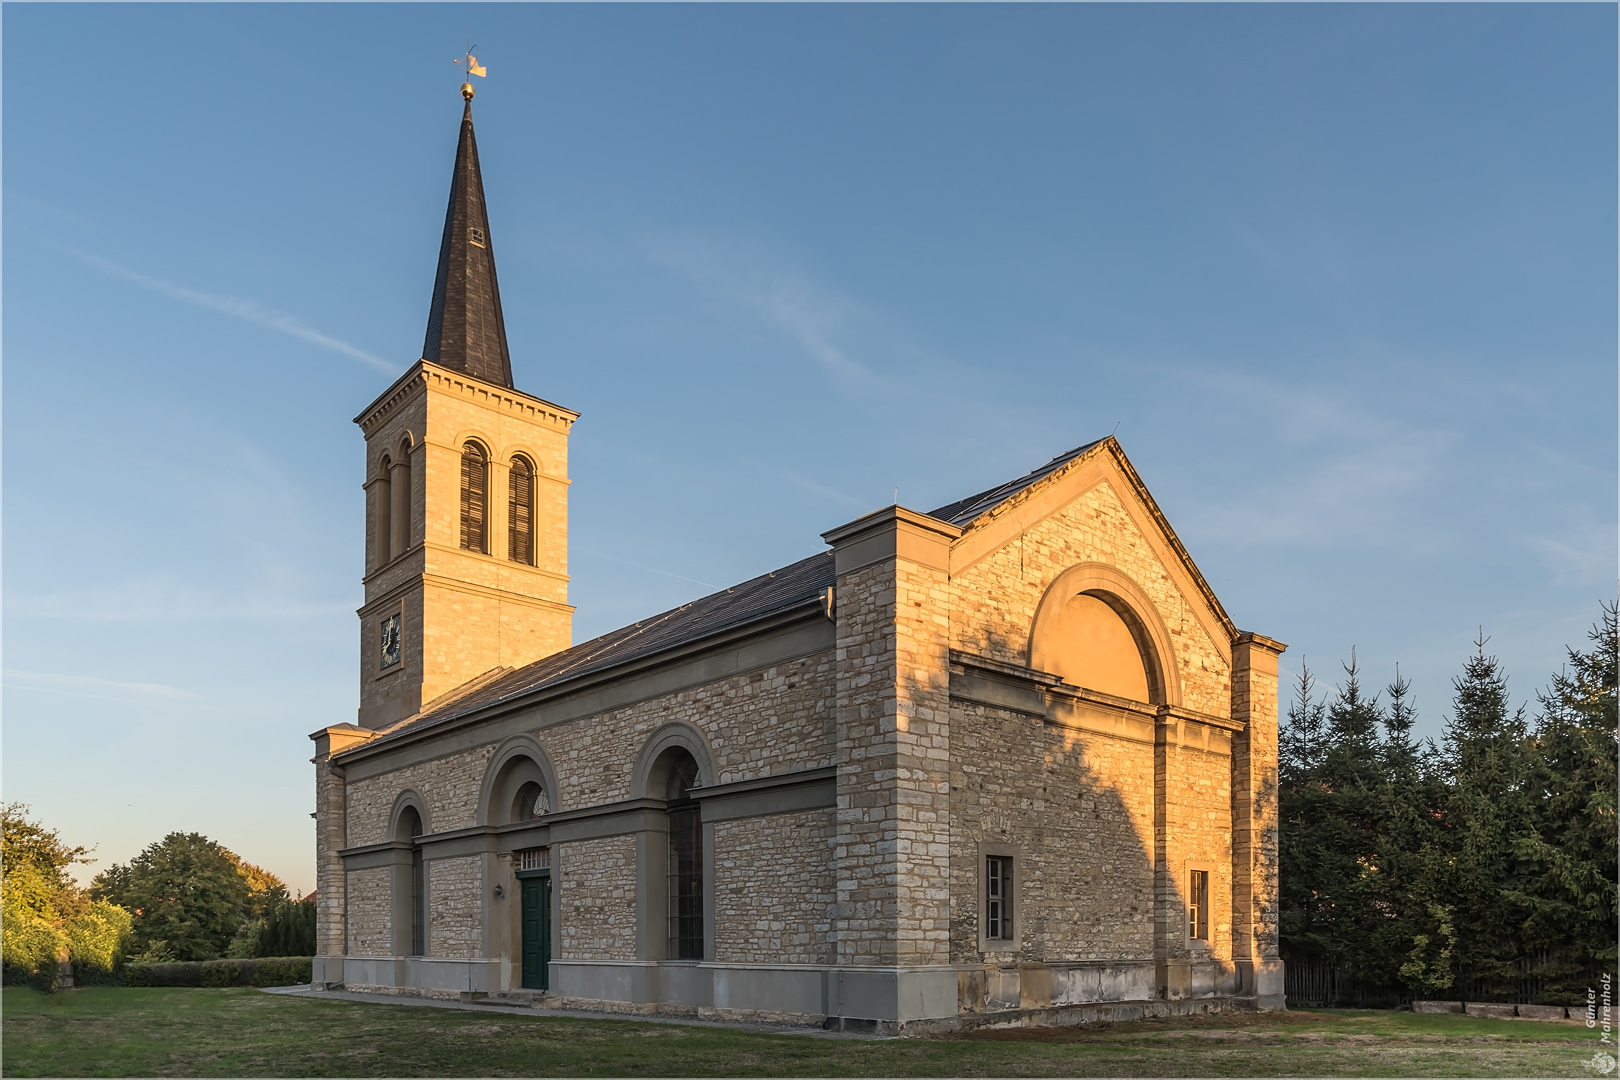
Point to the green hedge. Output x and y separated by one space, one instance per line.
268 971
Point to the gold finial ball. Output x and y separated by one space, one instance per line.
467 91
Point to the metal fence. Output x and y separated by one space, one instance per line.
1319 984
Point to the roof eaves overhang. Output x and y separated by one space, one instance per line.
803 611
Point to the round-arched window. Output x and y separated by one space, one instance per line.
520 512
474 498
531 802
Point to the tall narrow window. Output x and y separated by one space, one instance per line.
410 828
685 884
520 513
474 497
1198 905
685 858
399 483
384 511
998 897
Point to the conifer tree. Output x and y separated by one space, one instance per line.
1302 807
1486 810
1570 851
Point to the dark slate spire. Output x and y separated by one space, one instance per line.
465 329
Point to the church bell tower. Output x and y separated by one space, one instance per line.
466 492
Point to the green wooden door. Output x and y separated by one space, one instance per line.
536 932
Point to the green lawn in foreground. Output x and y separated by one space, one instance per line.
242 1032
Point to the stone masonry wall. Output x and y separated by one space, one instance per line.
455 907
893 852
776 720
597 898
449 787
330 902
1195 793
370 895
996 598
1254 803
1077 808
774 894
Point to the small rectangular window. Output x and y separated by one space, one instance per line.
534 859
998 898
476 235
1198 905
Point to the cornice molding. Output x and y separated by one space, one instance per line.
426 375
402 390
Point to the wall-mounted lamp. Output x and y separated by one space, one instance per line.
498 892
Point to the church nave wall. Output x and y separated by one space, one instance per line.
370 897
455 907
1196 779
775 720
774 892
596 888
449 787
1075 810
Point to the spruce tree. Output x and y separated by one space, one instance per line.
1570 848
1486 810
1301 809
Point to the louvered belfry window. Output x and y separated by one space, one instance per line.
520 513
474 498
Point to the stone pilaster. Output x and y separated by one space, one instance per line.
1254 818
331 829
893 746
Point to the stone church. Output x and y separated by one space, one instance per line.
1005 761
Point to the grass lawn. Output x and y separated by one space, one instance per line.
242 1032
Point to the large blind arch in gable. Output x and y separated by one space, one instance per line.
1108 589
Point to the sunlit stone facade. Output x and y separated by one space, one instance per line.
1008 761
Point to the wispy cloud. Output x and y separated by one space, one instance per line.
92 686
811 485
783 297
166 601
642 566
246 310
1345 472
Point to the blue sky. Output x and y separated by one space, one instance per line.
1344 277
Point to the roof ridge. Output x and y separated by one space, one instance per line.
963 512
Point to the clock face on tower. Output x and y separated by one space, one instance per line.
390 641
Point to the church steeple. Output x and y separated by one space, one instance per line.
465 330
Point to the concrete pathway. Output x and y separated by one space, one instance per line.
580 1014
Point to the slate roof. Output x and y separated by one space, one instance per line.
465 329
964 512
758 598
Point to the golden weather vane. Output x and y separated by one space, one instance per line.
469 63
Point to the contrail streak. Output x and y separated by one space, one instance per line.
246 310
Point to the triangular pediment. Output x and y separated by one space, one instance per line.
997 517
